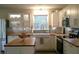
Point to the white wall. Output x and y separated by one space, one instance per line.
4 12
73 12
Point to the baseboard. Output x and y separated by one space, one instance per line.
45 50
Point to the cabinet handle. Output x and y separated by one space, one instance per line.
41 41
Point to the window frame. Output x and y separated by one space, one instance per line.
47 22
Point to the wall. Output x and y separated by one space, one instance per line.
52 21
73 12
4 12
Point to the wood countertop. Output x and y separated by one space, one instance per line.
30 42
73 41
11 33
20 42
58 34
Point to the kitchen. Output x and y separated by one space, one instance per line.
39 29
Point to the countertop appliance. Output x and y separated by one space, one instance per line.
2 34
74 33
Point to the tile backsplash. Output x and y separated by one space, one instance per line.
57 30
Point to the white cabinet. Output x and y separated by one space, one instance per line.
27 50
74 15
73 12
55 19
53 42
45 44
20 50
42 43
12 50
70 49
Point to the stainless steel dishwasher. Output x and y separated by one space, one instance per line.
59 45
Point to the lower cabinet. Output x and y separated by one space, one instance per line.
45 44
27 50
69 48
12 50
20 50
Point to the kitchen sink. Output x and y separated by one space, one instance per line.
41 34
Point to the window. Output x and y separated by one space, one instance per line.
40 22
19 22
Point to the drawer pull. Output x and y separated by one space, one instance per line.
41 41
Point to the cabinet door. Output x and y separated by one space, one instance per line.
55 16
53 42
73 49
78 14
69 48
73 16
43 43
12 50
27 50
65 47
20 50
47 43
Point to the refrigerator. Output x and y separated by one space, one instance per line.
2 34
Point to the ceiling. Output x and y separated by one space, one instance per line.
31 6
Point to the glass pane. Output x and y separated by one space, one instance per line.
16 22
19 22
40 22
26 23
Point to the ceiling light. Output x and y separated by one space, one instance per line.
40 12
41 7
15 15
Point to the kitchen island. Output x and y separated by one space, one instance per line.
21 46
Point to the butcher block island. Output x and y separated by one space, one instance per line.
21 46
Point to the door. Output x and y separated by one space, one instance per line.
2 33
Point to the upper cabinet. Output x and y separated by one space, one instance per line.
55 19
72 13
73 16
61 15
